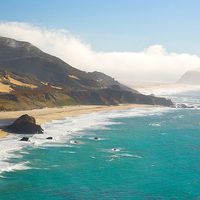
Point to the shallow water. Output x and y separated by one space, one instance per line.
138 154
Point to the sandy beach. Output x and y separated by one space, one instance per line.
3 134
48 114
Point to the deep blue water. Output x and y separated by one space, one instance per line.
150 156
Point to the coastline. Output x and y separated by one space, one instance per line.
161 89
45 115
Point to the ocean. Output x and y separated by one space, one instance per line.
135 154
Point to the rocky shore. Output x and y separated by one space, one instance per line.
25 124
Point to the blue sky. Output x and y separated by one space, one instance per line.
115 25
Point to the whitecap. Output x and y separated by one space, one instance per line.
155 124
123 155
93 157
72 152
8 167
126 155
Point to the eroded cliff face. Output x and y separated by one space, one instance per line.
111 96
30 78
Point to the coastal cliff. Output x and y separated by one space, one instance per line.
31 78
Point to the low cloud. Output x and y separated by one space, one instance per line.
154 63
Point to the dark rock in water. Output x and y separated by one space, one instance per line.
96 138
24 139
73 142
184 106
24 125
49 138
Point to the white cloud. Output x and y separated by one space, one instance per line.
152 64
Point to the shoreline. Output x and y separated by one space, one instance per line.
46 115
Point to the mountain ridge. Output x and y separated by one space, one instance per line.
31 78
190 77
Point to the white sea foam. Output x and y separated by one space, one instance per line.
8 149
8 167
62 132
155 124
127 155
123 155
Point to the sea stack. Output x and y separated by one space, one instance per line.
24 125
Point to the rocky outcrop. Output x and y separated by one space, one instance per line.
24 125
182 105
49 138
25 139
115 96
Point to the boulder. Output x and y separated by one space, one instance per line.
24 125
49 138
24 139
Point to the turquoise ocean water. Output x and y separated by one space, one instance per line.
135 154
